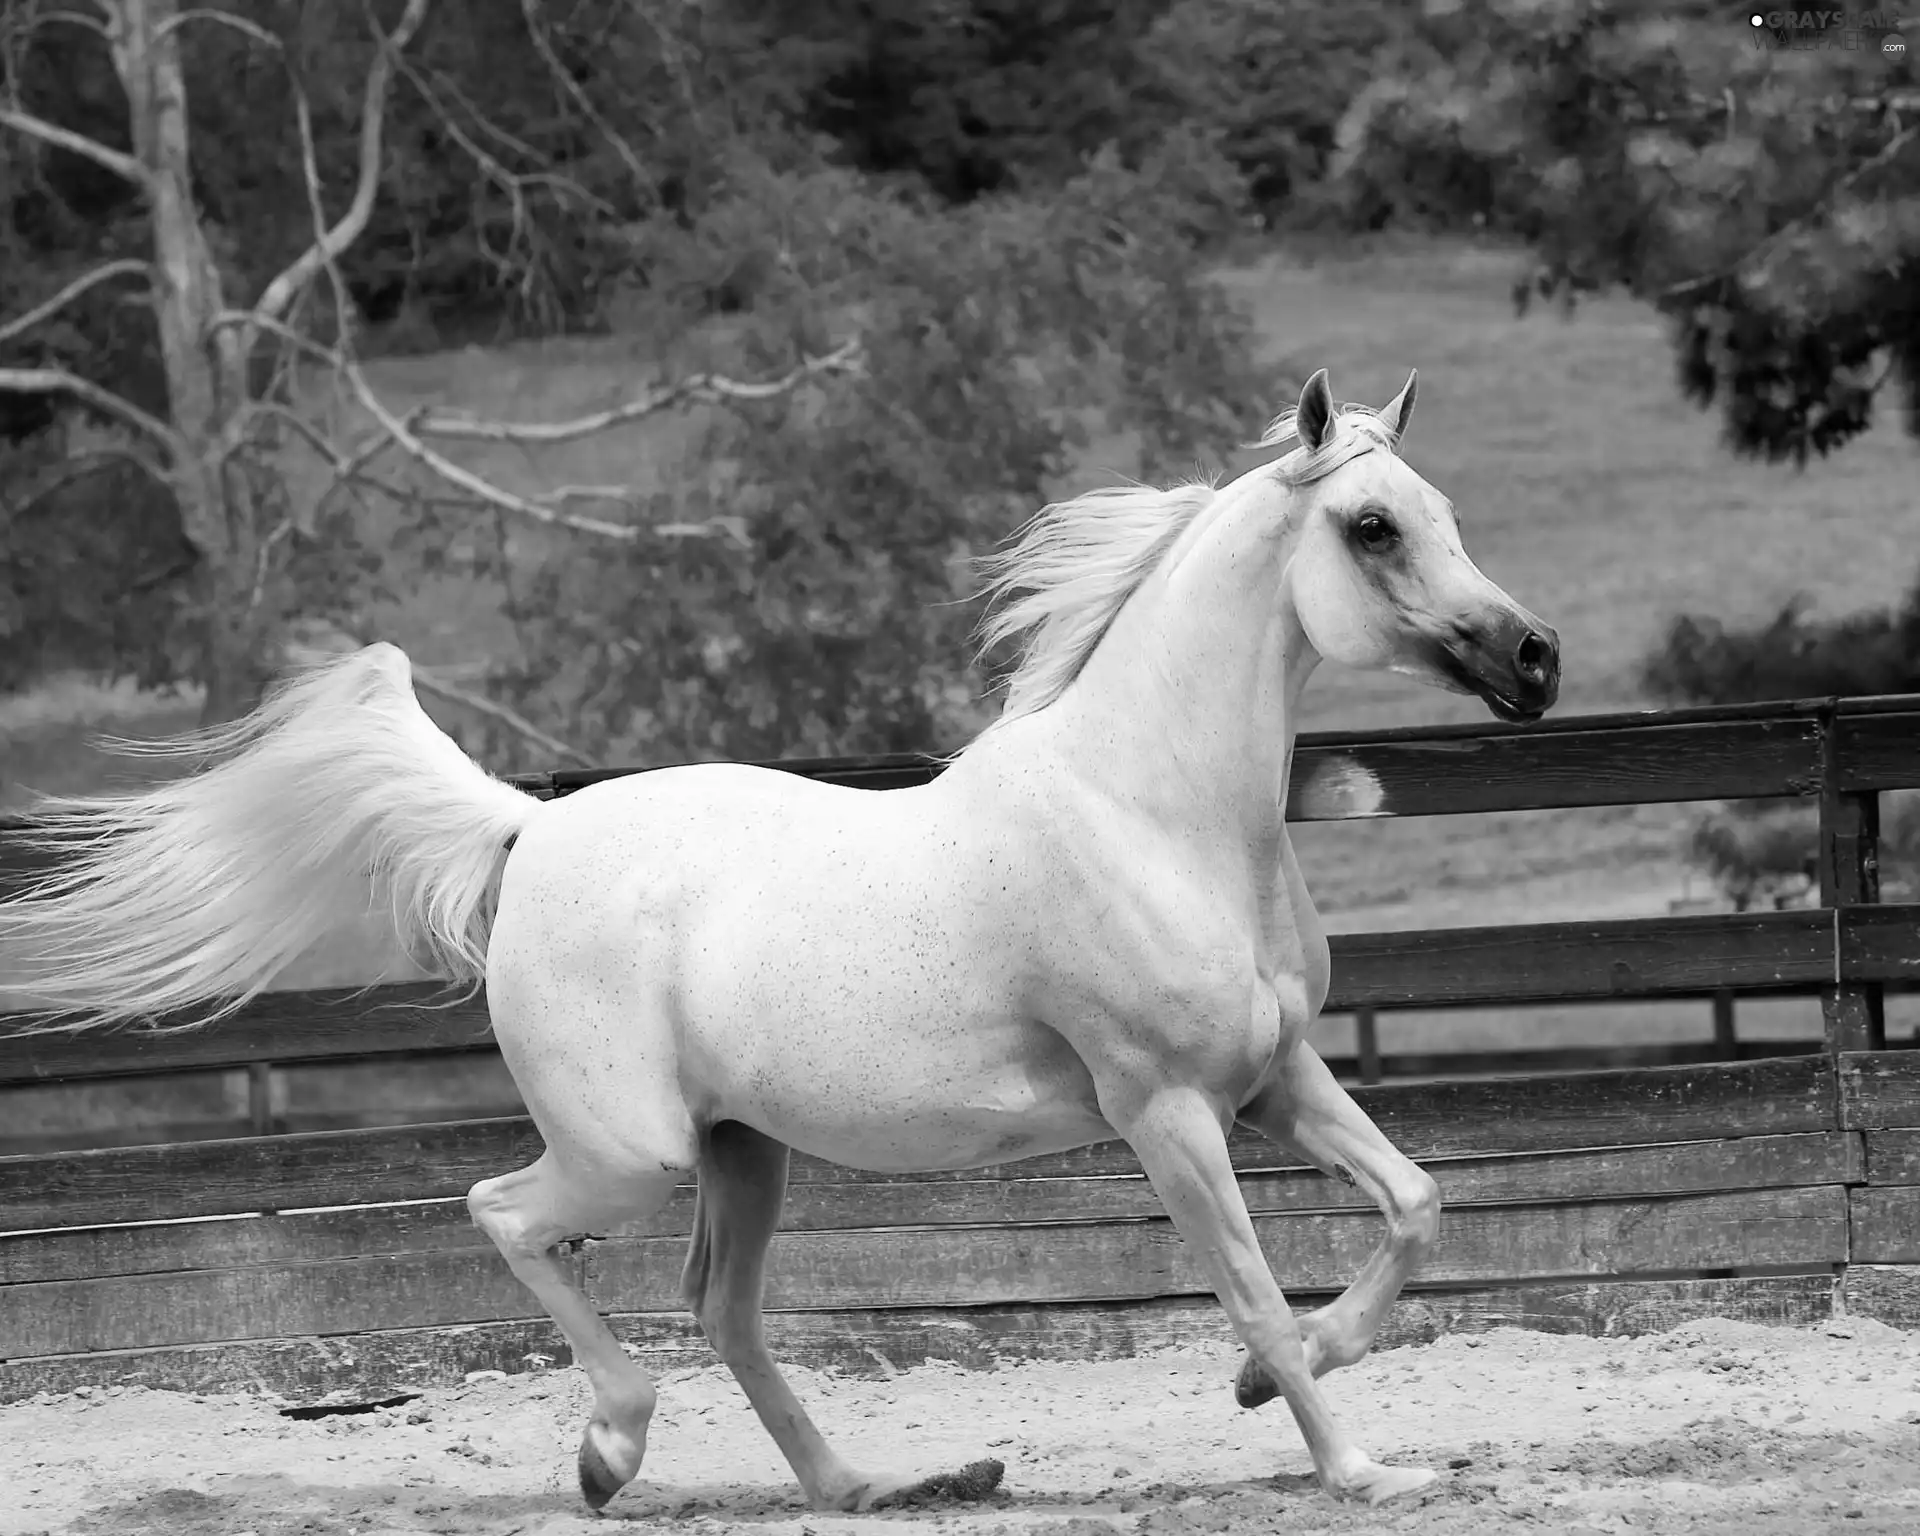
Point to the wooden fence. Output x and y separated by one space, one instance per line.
1781 1188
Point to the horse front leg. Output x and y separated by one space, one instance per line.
1180 1144
1307 1111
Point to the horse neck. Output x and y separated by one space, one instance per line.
1187 707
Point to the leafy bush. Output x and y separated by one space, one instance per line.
1272 81
1792 655
1756 849
1759 198
994 332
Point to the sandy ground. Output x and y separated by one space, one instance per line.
1716 1427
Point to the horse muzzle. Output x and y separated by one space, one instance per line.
1511 665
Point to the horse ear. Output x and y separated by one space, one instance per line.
1399 410
1314 419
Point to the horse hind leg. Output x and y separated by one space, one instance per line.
743 1180
527 1214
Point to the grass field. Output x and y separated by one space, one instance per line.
1585 484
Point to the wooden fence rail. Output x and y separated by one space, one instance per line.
1779 1187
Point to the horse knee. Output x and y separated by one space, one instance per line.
1413 1212
492 1208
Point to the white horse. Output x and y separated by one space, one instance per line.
1090 926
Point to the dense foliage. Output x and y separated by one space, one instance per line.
546 172
1014 203
1766 197
1760 186
993 330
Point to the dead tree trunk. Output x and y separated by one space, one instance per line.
205 368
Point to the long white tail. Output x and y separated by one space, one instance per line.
338 796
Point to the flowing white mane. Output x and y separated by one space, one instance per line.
1071 569
1058 589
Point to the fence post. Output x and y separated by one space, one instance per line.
1726 1038
1849 876
260 1097
1367 1042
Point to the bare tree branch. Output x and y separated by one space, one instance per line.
349 470
330 243
1769 246
445 688
405 433
73 290
711 387
445 83
224 18
509 180
619 493
485 490
519 262
77 143
566 82
72 471
57 381
402 436
35 21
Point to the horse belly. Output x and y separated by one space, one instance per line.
914 1108
897 1061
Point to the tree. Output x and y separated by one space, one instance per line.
1759 186
1273 80
1763 192
973 97
225 368
737 607
995 333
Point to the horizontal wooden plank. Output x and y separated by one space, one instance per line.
1449 967
1639 758
1764 1162
1879 1089
238 1242
1729 751
1888 1293
1642 957
876 1343
1880 750
947 1266
277 1026
1880 942
214 1178
956 1266
468 1098
1529 769
1774 1096
1585 1058
1891 1157
1885 1220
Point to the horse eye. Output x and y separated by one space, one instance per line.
1374 532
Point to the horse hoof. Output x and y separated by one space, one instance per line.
1379 1485
598 1481
1253 1386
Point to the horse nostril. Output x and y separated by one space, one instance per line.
1530 658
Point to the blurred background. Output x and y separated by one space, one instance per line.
1659 269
